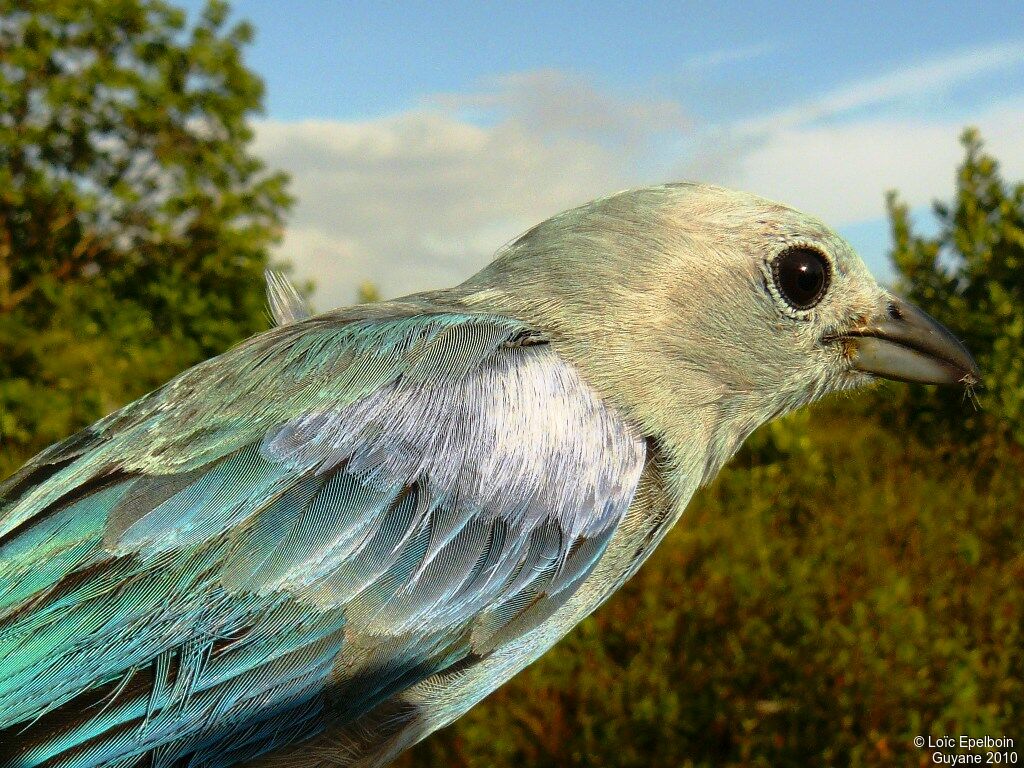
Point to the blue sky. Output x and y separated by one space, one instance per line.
421 136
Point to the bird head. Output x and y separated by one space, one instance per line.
704 312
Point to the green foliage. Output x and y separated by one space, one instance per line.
367 293
971 277
134 220
796 616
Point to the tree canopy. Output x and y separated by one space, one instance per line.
135 221
969 275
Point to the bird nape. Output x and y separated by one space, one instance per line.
338 536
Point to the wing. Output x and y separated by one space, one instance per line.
295 532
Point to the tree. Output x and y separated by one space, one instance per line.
970 276
367 293
135 221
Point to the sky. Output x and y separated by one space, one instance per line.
422 136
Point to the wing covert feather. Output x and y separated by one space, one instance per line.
288 535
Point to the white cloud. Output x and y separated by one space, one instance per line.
929 77
422 199
840 172
725 56
840 169
556 103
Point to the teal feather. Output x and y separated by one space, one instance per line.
288 536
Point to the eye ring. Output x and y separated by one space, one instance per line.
802 276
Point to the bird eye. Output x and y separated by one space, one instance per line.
802 276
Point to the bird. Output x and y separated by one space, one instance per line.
342 533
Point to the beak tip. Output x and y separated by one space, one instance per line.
965 361
906 344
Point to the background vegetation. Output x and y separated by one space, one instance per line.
134 221
851 580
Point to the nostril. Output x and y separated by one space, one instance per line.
894 311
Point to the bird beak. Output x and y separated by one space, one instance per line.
903 343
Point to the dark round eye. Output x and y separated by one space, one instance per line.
802 276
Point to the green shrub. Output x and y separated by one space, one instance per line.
135 220
970 276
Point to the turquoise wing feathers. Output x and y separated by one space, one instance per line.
284 538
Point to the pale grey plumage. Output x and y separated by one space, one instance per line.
346 531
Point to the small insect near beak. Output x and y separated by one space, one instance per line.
904 343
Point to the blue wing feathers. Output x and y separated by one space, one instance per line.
287 536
